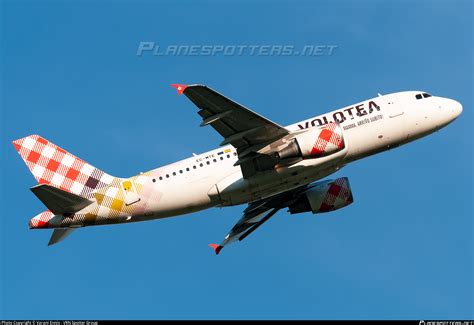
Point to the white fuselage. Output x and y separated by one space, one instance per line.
372 126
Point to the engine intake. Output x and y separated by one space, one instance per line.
324 197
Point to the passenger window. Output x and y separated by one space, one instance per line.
187 169
418 96
222 158
214 160
194 167
200 164
174 173
161 178
207 162
180 171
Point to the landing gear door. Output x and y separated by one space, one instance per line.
131 195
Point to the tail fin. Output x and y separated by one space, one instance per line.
52 165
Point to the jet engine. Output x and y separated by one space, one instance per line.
308 144
315 143
324 197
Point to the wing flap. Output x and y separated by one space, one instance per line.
258 224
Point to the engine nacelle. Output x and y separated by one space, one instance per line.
315 143
324 197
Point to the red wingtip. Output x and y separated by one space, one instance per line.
217 248
180 88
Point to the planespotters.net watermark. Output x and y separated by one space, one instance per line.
154 49
446 322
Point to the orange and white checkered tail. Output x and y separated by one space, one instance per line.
52 165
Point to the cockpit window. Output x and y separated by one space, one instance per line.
424 95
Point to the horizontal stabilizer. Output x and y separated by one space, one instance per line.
58 201
59 234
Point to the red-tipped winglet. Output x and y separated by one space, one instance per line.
217 248
180 88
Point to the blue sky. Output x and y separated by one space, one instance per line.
404 249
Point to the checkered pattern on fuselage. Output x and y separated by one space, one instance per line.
54 166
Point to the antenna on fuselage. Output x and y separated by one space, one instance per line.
380 95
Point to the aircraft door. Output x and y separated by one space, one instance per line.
396 108
395 122
131 195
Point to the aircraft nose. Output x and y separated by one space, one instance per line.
451 109
456 108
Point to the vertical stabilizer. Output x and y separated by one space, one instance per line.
52 165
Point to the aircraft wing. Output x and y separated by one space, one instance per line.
257 213
237 124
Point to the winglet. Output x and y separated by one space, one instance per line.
217 248
179 87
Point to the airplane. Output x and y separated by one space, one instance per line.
259 163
